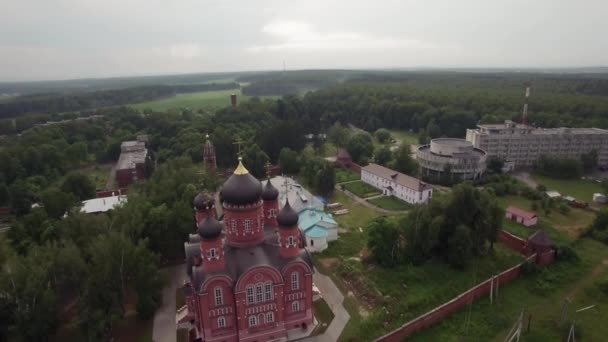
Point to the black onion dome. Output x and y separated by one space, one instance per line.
287 217
270 193
203 200
241 187
209 228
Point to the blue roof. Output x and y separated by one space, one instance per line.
316 232
323 200
306 220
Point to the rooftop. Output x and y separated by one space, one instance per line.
538 130
101 205
397 177
521 213
299 197
308 218
132 153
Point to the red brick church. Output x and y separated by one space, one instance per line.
250 279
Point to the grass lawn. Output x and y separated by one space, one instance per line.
396 295
390 203
570 224
323 314
541 295
346 175
580 189
406 137
361 189
210 100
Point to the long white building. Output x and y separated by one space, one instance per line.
393 183
522 145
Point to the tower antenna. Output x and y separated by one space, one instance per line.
524 119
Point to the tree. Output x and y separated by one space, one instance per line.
80 185
4 195
403 161
589 160
326 179
383 155
495 165
56 202
459 247
383 241
255 160
338 135
360 147
433 130
20 198
383 135
288 161
423 137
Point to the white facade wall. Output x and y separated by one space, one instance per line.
315 244
406 194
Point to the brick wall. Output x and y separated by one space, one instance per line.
480 290
355 167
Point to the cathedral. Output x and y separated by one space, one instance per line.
250 278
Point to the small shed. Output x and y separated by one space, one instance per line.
521 216
600 198
343 157
540 242
553 194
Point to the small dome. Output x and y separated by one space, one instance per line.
287 217
203 200
270 193
209 228
241 187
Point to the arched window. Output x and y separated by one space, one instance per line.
219 300
258 293
233 225
221 322
212 253
269 317
249 294
295 284
268 291
247 226
295 306
253 321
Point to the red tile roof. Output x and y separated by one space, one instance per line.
521 213
397 177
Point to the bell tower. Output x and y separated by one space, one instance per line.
209 155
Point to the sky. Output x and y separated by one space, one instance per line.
63 39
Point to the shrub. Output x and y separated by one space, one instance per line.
541 188
564 208
566 253
529 268
602 285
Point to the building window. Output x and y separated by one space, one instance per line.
258 293
268 291
212 253
247 226
295 306
218 296
253 321
250 295
233 225
221 322
290 242
295 284
269 317
272 213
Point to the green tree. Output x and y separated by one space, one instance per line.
383 155
360 147
459 247
403 161
80 185
56 202
423 137
383 135
589 160
4 195
495 165
255 160
326 179
21 199
384 241
338 135
288 161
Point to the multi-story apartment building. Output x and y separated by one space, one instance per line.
522 145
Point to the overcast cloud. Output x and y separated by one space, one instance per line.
57 39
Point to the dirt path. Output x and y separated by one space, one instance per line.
526 178
588 278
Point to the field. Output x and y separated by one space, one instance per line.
405 136
570 224
323 314
580 189
346 175
209 100
361 189
390 203
542 297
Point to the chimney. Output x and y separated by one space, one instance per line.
233 100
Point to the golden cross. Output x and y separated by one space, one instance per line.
238 143
268 167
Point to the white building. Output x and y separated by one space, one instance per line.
523 145
103 204
318 227
393 183
459 156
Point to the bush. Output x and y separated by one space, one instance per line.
534 206
564 208
566 253
602 285
541 188
529 268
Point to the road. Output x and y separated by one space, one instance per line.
164 318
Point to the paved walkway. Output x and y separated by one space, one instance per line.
334 299
164 319
367 204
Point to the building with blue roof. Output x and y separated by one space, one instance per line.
318 227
